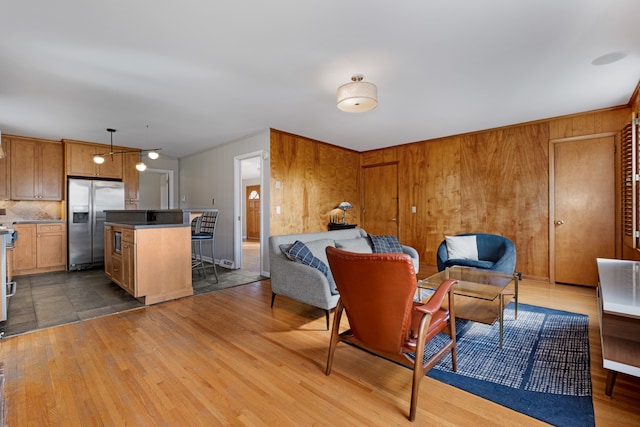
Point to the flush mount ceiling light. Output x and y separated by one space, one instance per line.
357 96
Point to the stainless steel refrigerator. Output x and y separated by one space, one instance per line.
87 199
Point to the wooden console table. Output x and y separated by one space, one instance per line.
619 309
340 226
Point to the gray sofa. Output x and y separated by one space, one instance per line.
307 284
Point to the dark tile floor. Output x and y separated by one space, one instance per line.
51 299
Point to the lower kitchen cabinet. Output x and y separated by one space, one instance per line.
153 264
40 248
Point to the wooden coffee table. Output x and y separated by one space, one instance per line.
480 295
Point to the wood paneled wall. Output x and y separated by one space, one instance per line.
494 181
313 177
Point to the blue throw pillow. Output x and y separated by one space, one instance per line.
301 253
385 244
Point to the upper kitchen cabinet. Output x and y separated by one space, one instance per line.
36 169
131 179
5 170
79 160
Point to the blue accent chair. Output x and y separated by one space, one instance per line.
496 253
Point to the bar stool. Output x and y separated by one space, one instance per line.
195 226
205 231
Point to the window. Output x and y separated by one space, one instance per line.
630 185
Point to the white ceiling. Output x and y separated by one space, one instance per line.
200 73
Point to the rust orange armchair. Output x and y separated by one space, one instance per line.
376 292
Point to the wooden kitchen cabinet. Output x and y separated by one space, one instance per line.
40 248
51 246
79 160
154 263
24 251
5 170
108 250
36 169
129 263
131 179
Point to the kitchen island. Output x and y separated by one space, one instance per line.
149 260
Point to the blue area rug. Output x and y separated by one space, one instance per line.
542 369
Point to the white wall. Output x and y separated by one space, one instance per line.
209 176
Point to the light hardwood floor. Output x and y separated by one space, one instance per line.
226 358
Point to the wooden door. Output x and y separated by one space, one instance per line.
584 200
380 199
253 211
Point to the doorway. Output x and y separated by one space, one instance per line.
380 199
583 208
156 189
249 206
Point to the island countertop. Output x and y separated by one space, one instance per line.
144 224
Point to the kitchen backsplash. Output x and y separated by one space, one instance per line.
30 210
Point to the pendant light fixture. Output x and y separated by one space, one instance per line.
140 165
152 153
357 96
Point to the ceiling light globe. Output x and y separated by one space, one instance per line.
141 166
153 155
98 159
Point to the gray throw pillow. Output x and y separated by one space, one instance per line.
385 244
301 253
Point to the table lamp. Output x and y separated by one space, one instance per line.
344 206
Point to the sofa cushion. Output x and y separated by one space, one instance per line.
358 245
462 247
385 244
317 248
301 253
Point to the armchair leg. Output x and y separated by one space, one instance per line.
273 298
335 338
326 313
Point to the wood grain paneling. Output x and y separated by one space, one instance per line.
505 182
430 181
494 181
377 157
313 177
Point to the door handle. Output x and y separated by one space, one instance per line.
394 219
559 222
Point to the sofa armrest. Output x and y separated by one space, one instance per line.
415 257
301 282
